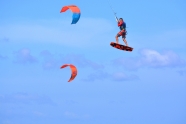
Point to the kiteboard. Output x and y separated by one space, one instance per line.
121 47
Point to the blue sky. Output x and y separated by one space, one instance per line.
145 86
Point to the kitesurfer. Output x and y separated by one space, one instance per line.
123 32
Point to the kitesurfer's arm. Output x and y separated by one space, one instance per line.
120 23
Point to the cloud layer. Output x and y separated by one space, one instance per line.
151 58
24 56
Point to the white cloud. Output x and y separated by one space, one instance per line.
151 58
155 59
24 56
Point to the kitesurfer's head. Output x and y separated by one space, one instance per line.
121 19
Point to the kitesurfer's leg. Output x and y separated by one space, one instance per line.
118 35
125 41
116 38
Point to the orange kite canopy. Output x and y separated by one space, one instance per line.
75 10
73 71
